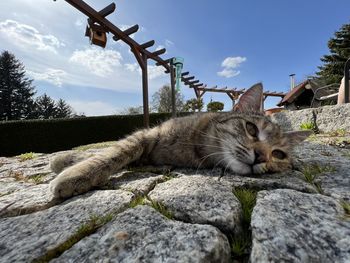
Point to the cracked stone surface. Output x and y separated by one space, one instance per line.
289 226
25 238
29 200
136 182
143 235
200 199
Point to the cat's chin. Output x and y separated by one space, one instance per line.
241 168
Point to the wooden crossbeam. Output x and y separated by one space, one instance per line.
128 31
187 79
110 27
104 12
159 52
185 73
147 44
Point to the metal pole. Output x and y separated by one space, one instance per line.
145 92
172 85
346 79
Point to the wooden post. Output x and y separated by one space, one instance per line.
173 92
145 92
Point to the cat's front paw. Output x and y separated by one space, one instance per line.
69 183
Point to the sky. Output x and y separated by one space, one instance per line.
233 43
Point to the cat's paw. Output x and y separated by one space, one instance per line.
69 183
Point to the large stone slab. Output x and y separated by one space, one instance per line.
200 199
289 226
28 200
326 119
28 237
143 235
335 181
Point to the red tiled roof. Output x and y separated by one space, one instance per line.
294 93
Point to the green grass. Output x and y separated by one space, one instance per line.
307 126
38 178
161 209
247 198
138 200
346 154
88 228
27 156
312 172
241 243
338 132
145 200
346 207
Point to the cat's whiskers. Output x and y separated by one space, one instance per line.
206 157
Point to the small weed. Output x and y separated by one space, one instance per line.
139 200
346 207
161 209
311 173
338 132
38 178
247 198
307 126
90 227
18 175
27 156
168 176
241 243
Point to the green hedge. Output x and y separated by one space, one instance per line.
46 136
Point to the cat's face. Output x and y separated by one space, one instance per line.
251 142
256 145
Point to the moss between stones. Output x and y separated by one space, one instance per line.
346 207
146 200
27 156
90 227
99 145
312 172
241 243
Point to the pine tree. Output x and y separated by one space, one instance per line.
339 46
45 107
16 90
63 110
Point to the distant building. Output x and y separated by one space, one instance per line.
310 94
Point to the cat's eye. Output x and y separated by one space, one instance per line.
279 154
252 129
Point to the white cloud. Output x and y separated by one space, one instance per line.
153 71
100 62
229 66
24 35
233 62
228 73
51 75
93 108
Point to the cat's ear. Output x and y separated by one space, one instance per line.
295 137
251 100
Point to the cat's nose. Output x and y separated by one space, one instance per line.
260 157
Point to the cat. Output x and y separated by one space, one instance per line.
243 141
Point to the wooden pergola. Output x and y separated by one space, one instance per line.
99 24
233 93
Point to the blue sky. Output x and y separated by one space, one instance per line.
225 43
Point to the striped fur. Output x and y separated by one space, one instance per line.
200 141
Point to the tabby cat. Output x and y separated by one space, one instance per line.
243 141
